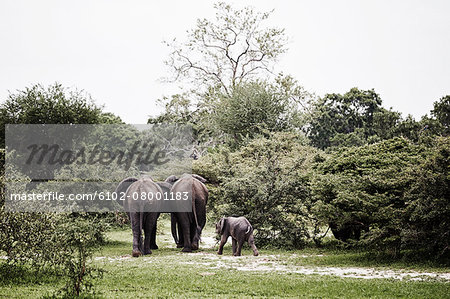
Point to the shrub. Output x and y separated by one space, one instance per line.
59 241
427 204
389 196
266 181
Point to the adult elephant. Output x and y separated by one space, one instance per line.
189 224
348 230
140 204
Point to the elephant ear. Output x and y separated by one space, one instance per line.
171 179
222 224
200 178
147 177
123 186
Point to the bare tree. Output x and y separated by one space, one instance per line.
227 51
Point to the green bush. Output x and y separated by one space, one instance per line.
389 196
62 242
266 181
427 203
81 239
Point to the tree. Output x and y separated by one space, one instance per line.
441 111
428 209
342 114
266 180
251 109
229 50
356 118
362 189
257 108
52 105
177 109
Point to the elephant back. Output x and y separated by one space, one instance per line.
143 195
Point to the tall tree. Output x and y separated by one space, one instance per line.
228 50
54 104
335 115
257 108
441 111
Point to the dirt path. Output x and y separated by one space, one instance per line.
282 264
274 263
211 263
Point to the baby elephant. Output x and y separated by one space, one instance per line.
240 231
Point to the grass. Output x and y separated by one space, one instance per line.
168 273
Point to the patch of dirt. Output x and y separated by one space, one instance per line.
208 242
272 263
113 259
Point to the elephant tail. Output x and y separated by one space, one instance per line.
173 226
198 227
249 228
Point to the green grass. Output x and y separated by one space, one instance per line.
168 273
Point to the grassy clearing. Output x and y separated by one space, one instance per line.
168 273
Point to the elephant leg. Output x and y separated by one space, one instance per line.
153 235
149 228
173 228
234 245
251 242
183 219
148 234
137 237
195 236
223 240
200 211
240 242
180 235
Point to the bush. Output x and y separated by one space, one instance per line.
266 181
81 239
58 241
389 196
427 204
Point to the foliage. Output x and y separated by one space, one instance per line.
392 192
177 110
257 108
354 119
251 109
362 189
82 238
335 113
441 112
48 105
58 241
267 181
228 50
427 203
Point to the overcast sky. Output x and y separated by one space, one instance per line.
113 49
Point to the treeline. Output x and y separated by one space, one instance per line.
296 164
341 161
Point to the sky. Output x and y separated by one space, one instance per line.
113 49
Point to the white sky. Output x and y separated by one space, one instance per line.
113 49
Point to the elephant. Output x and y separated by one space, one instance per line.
141 212
189 224
175 226
240 230
348 230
